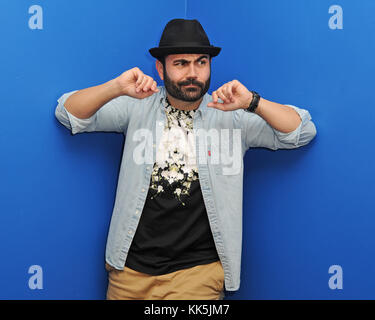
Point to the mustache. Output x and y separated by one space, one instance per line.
192 82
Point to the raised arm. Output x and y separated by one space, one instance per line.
273 125
104 107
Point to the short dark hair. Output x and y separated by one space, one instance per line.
162 60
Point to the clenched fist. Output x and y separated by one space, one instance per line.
234 96
136 84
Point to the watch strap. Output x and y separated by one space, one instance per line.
254 102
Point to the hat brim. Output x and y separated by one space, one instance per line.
163 51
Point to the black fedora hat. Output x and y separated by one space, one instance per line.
184 36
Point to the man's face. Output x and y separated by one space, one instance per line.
182 70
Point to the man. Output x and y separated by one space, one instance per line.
176 228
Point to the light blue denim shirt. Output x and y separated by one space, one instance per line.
140 120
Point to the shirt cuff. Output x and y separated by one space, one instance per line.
69 120
293 137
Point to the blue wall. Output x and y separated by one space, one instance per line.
304 209
309 208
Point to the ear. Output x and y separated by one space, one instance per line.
159 68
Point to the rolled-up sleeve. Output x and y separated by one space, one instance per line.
111 117
258 133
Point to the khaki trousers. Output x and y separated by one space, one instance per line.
203 282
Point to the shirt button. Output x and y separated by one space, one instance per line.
130 232
136 211
143 190
160 123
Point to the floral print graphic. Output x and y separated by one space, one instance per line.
175 167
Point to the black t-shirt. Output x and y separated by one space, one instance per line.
173 232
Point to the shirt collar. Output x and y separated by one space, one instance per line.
202 109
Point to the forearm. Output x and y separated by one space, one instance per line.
86 102
281 117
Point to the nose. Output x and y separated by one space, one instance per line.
192 72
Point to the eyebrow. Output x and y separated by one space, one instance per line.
184 60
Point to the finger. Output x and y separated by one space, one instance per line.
222 96
148 84
139 80
143 83
140 86
153 87
230 92
214 97
226 93
137 73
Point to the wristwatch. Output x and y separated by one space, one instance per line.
254 102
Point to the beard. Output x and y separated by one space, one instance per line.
177 91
